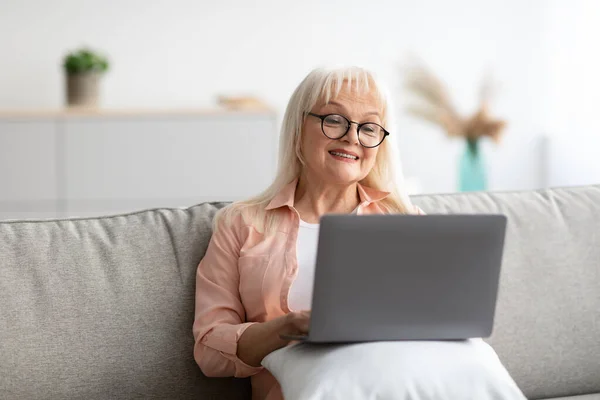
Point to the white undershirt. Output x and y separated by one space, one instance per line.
300 296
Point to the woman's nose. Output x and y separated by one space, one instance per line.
352 135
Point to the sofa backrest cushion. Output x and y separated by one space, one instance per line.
103 308
547 327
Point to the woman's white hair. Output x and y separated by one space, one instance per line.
323 85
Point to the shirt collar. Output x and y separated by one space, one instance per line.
286 196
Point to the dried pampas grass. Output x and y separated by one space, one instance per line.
435 105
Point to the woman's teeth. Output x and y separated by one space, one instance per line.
335 153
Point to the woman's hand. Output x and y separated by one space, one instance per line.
297 323
263 338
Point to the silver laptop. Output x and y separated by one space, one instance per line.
406 277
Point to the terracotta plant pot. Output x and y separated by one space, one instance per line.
82 89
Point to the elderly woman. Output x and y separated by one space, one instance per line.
255 281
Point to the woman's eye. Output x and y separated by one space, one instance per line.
333 120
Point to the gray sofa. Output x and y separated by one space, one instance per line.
102 308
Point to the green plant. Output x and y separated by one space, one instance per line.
85 60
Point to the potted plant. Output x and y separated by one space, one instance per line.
435 106
83 69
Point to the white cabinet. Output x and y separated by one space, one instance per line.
27 160
85 164
28 172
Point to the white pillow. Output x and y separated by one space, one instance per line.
408 370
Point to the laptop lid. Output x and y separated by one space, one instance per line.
406 277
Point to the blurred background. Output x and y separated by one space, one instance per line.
188 109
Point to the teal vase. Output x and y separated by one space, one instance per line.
472 174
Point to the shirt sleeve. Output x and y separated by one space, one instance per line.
219 319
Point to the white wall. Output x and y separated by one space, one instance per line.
573 99
182 53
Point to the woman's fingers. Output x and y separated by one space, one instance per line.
303 321
297 322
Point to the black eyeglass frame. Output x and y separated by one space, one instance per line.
358 126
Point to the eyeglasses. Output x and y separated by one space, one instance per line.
336 126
